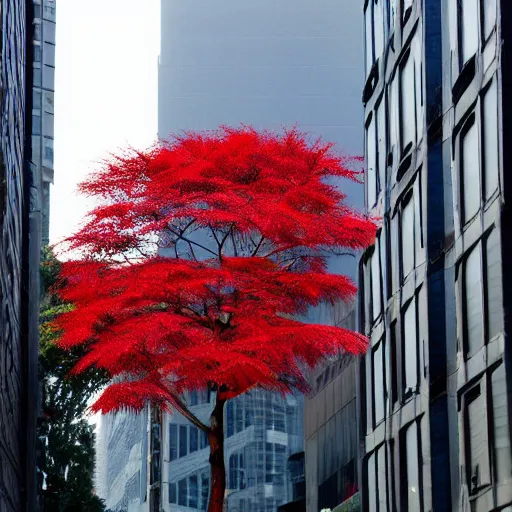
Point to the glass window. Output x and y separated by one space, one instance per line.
468 26
393 100
473 301
407 103
48 77
182 492
393 255
37 53
37 10
391 13
393 364
371 164
173 442
192 491
407 237
193 439
172 493
183 440
490 140
36 124
378 383
239 415
383 261
205 490
412 465
37 32
378 27
381 478
470 171
502 452
49 10
494 285
37 77
375 272
368 37
48 124
477 441
489 13
410 347
36 99
203 438
230 420
194 398
381 144
233 471
372 484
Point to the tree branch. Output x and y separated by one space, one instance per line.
258 247
180 236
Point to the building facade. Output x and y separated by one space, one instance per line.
19 264
435 411
43 103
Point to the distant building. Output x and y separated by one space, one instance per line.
435 385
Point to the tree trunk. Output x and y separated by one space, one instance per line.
218 470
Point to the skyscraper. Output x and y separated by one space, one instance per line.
435 404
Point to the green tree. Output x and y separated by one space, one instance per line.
67 438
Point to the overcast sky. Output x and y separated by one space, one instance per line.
106 88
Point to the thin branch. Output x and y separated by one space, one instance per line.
191 242
258 246
184 411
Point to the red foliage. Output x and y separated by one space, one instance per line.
199 257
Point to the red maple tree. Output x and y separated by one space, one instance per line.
192 269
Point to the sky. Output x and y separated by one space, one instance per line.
106 89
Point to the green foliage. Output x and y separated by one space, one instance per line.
67 437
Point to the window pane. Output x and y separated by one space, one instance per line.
393 252
378 382
182 492
369 392
489 13
470 173
407 101
490 142
393 98
371 163
410 347
501 431
36 125
193 439
381 478
36 99
469 29
478 443
376 295
408 238
383 262
173 442
378 27
368 36
239 415
172 493
230 418
192 491
381 144
205 490
372 485
183 440
473 301
494 285
413 481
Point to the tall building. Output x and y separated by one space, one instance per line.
19 264
435 385
43 102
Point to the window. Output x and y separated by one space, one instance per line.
393 106
37 53
411 491
391 13
173 442
410 344
489 14
37 10
473 301
476 439
502 460
36 124
172 493
37 77
182 492
48 77
407 104
183 440
194 398
230 423
371 164
381 144
383 261
248 417
205 490
494 283
407 235
36 99
393 255
203 439
379 378
368 36
393 364
470 170
239 415
48 153
49 10
193 439
48 124
372 483
381 479
468 29
376 277
490 140
37 32
192 491
378 27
